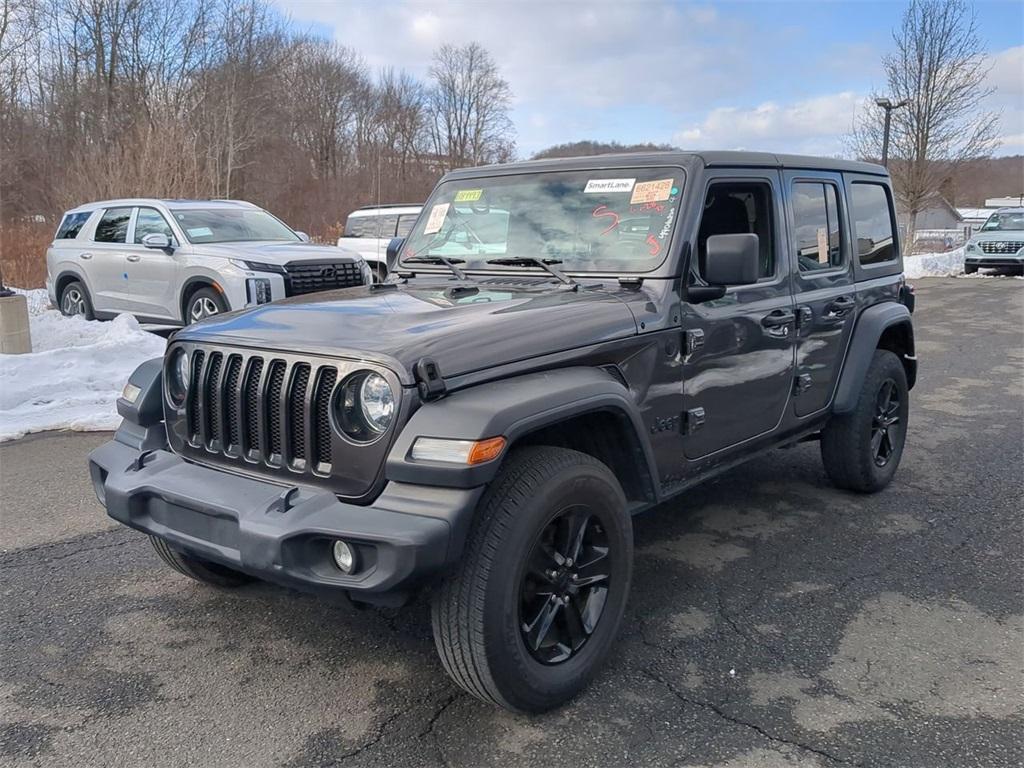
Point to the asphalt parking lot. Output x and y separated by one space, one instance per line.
774 620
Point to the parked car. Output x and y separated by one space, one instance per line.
179 261
369 229
487 426
999 243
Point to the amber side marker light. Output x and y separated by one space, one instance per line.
457 451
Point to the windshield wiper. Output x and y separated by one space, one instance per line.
533 261
450 263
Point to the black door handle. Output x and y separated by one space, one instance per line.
777 319
840 306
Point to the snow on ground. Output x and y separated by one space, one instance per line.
73 376
934 264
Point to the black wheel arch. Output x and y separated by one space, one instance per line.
195 283
882 326
585 409
66 277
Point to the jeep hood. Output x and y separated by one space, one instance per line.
275 252
462 326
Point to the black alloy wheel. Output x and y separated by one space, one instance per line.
565 586
886 423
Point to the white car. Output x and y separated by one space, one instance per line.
369 229
177 261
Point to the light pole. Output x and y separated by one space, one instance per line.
888 106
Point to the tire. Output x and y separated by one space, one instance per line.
970 269
204 303
74 300
853 445
380 273
208 573
483 612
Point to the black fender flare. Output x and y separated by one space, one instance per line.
511 408
872 323
74 275
204 282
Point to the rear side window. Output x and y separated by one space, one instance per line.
361 226
113 227
873 225
71 225
816 221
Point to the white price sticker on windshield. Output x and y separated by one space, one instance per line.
200 232
436 218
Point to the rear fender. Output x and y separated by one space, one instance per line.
887 326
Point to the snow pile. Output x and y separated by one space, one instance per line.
75 373
934 264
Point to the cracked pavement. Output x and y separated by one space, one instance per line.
774 621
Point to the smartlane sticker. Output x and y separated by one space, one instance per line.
608 185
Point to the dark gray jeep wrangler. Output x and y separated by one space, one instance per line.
561 345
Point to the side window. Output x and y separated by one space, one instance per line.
816 224
405 224
388 225
71 225
733 208
151 221
873 227
361 226
113 227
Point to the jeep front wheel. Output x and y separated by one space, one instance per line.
535 605
200 570
861 450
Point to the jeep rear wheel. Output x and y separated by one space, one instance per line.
535 605
200 570
861 450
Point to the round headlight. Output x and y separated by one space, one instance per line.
378 402
177 376
365 406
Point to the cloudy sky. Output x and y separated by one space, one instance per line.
753 75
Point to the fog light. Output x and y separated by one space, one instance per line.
344 556
257 290
131 392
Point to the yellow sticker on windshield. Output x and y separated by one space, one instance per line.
468 195
651 191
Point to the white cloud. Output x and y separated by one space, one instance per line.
1007 77
811 125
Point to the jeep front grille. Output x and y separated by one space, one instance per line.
305 277
1001 246
266 410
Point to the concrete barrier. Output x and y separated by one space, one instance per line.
15 338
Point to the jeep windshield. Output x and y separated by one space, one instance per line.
215 225
618 220
1012 221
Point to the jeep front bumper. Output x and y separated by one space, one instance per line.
281 533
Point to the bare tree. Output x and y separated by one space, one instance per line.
470 106
939 69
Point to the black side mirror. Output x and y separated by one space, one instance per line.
394 246
732 259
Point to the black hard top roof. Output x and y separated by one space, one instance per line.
709 159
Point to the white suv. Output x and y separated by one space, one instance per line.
369 229
178 261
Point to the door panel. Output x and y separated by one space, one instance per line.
152 273
104 259
824 288
739 361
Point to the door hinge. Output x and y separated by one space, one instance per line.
693 421
804 317
801 383
694 340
